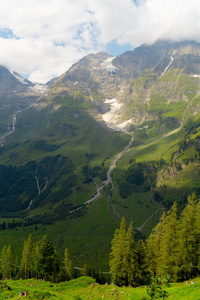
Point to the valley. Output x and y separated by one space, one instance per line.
111 137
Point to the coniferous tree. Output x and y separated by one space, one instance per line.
117 267
88 271
167 258
154 245
141 265
47 262
7 258
188 244
27 259
130 264
123 260
173 248
69 270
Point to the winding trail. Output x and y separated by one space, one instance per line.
113 166
141 227
109 178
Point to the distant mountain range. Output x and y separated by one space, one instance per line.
111 137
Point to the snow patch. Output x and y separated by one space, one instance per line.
111 117
107 65
42 88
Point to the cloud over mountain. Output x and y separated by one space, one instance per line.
43 38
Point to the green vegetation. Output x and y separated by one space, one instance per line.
85 287
171 252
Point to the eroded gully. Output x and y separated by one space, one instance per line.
11 127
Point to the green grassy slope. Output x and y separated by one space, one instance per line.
86 288
70 150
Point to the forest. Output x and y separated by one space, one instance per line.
171 253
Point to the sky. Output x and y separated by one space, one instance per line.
41 39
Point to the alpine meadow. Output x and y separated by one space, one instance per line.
100 177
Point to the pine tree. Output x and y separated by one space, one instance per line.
130 264
47 262
167 259
69 270
27 259
117 268
140 260
154 245
189 240
88 271
197 234
7 258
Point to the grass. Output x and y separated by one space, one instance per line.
86 233
153 149
85 288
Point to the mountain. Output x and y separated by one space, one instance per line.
16 94
9 84
111 137
100 77
156 57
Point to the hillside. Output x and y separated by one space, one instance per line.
85 287
124 128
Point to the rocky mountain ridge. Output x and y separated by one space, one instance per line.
102 77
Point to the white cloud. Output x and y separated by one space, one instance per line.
50 35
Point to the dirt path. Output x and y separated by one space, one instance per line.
141 227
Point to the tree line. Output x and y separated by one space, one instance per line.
41 260
171 252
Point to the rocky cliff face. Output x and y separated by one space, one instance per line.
143 82
9 84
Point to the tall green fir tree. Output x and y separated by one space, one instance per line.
7 259
68 265
154 245
117 267
167 257
26 270
189 240
47 262
141 264
123 264
130 263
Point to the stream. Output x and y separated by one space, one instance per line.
165 70
11 127
109 178
39 190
